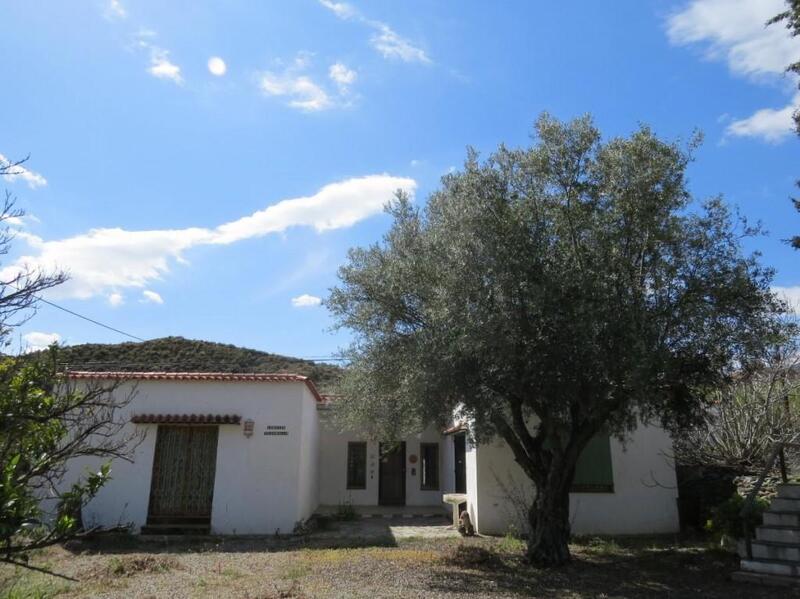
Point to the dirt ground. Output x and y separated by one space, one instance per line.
375 560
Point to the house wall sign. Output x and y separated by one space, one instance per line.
276 430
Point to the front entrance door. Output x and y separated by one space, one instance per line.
184 465
392 474
460 447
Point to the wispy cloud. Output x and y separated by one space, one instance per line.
735 31
393 46
294 83
114 10
343 10
151 297
300 90
385 40
306 301
342 76
161 65
36 340
103 262
20 172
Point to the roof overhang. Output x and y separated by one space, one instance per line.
224 377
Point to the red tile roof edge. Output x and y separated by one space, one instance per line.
186 419
256 377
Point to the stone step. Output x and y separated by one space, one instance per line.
176 529
780 534
789 491
766 579
771 566
788 552
785 504
776 518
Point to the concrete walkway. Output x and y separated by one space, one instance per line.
389 529
389 511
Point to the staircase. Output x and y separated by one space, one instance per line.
773 557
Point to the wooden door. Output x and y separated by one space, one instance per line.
392 474
460 447
184 466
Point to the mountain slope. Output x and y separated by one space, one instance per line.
176 354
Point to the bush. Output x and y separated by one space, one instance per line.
346 512
725 520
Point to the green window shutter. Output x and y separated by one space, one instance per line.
593 473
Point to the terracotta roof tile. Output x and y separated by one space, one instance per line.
200 376
186 418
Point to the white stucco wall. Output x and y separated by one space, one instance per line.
333 467
257 489
644 498
308 465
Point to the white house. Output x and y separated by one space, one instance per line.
256 454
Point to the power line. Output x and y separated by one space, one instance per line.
86 318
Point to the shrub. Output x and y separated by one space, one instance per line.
725 520
345 511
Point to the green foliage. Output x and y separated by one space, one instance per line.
550 293
176 354
511 543
45 423
726 518
346 512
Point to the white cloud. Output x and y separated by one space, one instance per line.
151 297
36 341
217 66
735 31
341 75
306 301
304 93
343 10
393 46
115 10
106 261
13 173
386 41
116 299
791 295
161 66
301 91
771 125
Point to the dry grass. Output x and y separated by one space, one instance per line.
418 567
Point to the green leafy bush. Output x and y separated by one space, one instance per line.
725 520
346 512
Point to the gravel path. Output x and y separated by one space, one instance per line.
376 560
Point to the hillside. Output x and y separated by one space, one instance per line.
176 354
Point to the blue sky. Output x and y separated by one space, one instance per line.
201 168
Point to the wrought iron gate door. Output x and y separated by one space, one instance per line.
184 466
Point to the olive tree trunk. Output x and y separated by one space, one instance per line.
548 519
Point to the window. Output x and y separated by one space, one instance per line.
593 472
357 465
429 466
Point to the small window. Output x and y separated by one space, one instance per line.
429 466
594 472
357 465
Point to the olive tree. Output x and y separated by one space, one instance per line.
551 293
